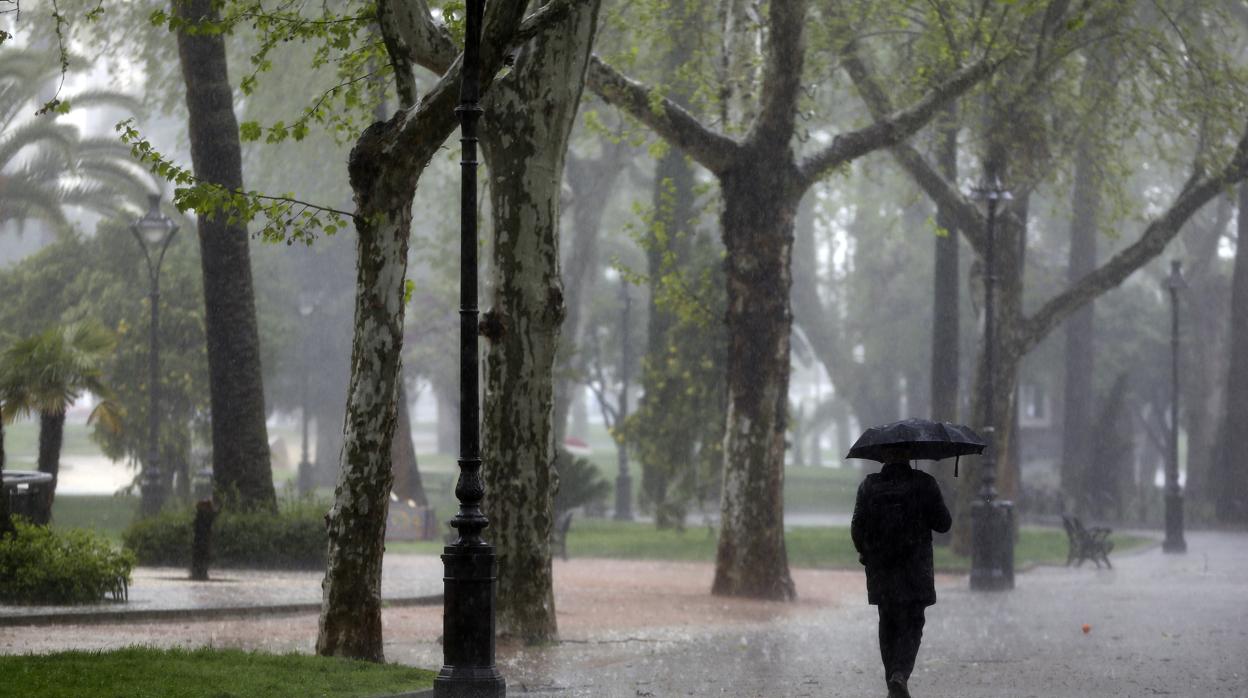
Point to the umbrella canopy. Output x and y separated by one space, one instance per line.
916 439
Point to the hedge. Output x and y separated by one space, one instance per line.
293 538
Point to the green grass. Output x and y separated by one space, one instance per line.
820 490
21 441
808 546
140 672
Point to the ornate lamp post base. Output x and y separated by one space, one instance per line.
468 625
1174 542
992 549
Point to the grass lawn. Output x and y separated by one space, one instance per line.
818 547
21 440
105 514
139 672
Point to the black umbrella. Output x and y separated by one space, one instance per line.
917 439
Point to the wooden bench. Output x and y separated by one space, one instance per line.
559 535
1087 543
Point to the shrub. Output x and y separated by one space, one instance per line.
293 538
41 566
580 483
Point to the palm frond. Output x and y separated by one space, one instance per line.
105 98
24 198
38 133
110 414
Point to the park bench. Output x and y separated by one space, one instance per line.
559 535
1087 543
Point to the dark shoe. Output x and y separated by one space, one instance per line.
897 686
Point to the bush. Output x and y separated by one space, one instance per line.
293 538
580 483
42 566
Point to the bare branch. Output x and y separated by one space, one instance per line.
1151 243
712 150
890 128
946 195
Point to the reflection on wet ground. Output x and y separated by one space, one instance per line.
1158 625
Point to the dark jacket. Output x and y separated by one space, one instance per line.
910 578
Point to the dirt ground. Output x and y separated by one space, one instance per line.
596 600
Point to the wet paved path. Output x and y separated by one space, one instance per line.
1160 625
157 592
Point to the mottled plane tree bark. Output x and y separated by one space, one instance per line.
762 180
1231 475
384 167
528 119
1018 332
241 471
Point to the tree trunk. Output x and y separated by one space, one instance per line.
1080 384
384 167
240 444
946 316
6 516
51 436
668 237
1009 320
1232 476
1204 363
529 117
760 203
407 483
592 183
350 621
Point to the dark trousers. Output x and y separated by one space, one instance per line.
901 631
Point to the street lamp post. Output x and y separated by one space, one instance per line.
992 540
303 476
1174 542
623 481
154 231
470 566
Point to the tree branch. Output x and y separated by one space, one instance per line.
712 150
420 129
890 128
782 73
946 195
1151 244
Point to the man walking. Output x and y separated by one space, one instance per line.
894 516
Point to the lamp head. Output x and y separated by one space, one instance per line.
1176 282
154 227
991 190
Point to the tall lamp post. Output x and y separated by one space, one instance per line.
470 566
623 481
154 231
1174 542
992 540
303 475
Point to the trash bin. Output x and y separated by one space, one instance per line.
29 494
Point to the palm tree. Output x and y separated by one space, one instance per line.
46 373
6 523
45 164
